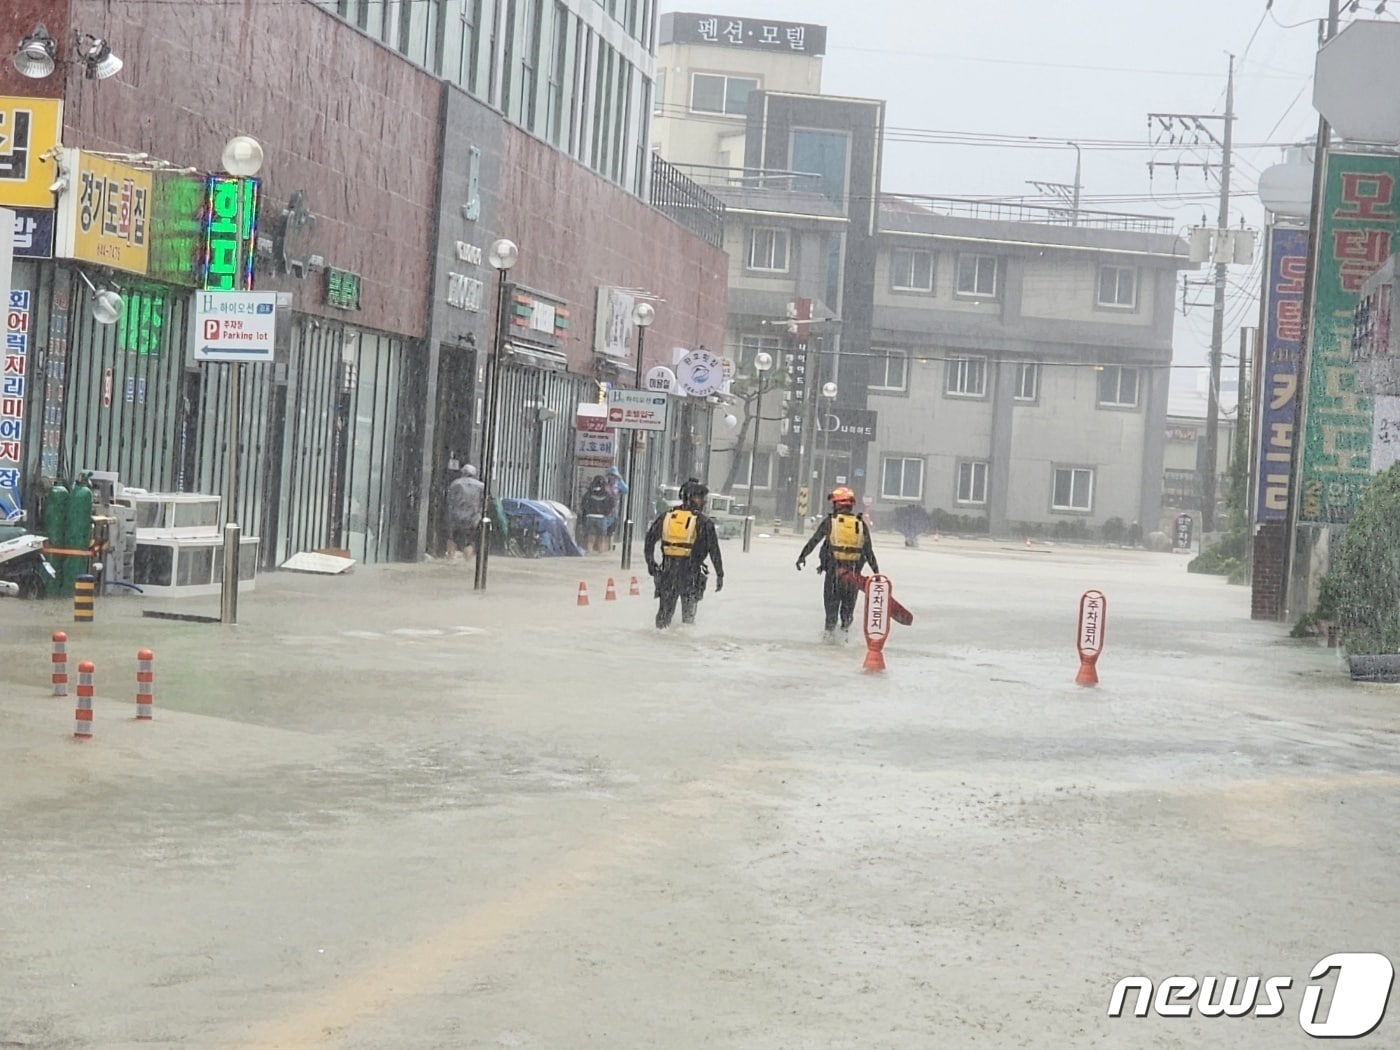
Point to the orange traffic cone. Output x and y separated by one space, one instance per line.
936 537
582 593
610 595
1028 542
635 590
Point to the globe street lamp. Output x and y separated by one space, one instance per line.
643 314
828 392
503 255
762 362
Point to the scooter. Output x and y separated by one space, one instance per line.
24 571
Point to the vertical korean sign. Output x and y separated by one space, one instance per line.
1283 333
12 378
1359 216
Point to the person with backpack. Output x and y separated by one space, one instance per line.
845 540
687 537
599 512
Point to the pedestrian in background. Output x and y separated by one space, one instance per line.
617 488
465 500
599 514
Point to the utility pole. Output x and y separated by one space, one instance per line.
1187 131
1217 321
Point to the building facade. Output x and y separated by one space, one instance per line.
388 172
1006 368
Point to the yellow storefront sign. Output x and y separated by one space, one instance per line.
29 129
104 216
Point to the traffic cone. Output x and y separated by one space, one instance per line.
610 595
936 537
582 593
635 591
1028 543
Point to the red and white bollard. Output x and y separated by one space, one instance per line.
60 664
82 718
145 684
635 590
610 595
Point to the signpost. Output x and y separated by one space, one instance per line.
235 326
1181 534
636 410
878 594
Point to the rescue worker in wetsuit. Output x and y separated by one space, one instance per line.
845 540
687 537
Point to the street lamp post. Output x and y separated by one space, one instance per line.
503 255
242 158
762 362
642 316
828 392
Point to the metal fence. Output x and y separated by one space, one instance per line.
690 204
1021 211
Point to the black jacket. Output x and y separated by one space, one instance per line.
706 542
828 560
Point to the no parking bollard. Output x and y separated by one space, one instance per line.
877 621
1093 613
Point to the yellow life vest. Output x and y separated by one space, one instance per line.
678 533
845 538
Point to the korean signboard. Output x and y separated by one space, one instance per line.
593 439
227 265
29 129
104 215
1181 534
33 233
613 326
235 326
1360 212
848 423
636 410
1283 332
13 376
751 34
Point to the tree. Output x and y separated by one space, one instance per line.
1366 574
745 389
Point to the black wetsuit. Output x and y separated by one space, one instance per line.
839 597
683 577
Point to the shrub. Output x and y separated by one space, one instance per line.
1364 583
1114 529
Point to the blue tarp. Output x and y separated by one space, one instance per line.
537 530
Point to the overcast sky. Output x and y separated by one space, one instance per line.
1087 70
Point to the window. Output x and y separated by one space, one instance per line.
1117 287
712 93
889 370
911 271
658 98
751 345
1027 381
901 478
1074 489
977 275
967 376
1118 386
768 249
763 479
972 482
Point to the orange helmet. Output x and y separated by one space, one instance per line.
842 495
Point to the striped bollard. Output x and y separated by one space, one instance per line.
60 664
82 724
83 589
145 684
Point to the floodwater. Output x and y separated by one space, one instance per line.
386 811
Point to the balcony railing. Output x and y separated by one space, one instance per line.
753 178
675 194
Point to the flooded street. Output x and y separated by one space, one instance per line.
385 811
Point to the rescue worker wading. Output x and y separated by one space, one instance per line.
687 538
845 541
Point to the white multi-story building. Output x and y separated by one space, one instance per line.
1006 365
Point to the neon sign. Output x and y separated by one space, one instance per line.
228 251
